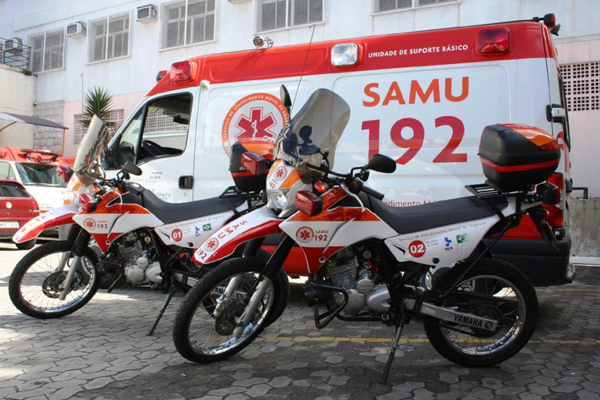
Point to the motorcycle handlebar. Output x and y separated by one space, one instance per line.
372 192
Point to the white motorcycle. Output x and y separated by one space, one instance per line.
368 261
145 240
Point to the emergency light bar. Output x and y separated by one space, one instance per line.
492 41
181 71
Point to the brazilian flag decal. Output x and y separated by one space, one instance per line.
206 227
462 238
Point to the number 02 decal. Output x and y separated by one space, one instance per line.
413 143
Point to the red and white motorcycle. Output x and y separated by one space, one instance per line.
368 261
145 240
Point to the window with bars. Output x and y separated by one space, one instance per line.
582 85
189 22
276 14
47 51
109 38
115 119
390 5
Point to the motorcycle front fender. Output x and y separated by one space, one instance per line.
221 244
57 217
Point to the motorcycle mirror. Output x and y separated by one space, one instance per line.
284 95
132 168
381 163
254 163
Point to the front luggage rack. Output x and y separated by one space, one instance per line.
486 191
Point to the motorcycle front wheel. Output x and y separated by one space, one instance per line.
37 281
492 289
206 325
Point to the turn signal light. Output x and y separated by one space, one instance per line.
493 41
321 187
308 203
556 214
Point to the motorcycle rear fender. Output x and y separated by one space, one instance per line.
57 217
221 244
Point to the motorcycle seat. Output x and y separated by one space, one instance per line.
177 212
434 215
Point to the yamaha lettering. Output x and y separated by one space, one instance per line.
470 321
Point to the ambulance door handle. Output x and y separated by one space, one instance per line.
556 113
186 182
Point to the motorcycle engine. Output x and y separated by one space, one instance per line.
351 270
140 266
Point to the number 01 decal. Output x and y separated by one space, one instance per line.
414 142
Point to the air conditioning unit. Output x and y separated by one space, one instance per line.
146 14
76 30
14 45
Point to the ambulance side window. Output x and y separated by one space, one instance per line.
127 147
6 171
166 127
158 130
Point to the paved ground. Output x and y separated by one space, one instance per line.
102 352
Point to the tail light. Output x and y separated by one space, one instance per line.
308 203
87 203
493 41
555 212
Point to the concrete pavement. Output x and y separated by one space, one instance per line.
102 352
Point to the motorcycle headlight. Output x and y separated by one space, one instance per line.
277 198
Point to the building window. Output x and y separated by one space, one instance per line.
275 14
109 38
389 5
115 120
48 51
582 86
189 22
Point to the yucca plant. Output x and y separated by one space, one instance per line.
97 102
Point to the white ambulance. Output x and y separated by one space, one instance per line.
422 98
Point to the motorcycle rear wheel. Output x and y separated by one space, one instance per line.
511 301
35 285
204 326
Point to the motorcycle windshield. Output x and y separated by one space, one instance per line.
87 162
313 133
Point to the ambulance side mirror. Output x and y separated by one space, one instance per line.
284 95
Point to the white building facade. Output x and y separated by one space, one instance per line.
121 45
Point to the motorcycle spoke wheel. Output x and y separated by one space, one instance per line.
37 281
495 290
208 323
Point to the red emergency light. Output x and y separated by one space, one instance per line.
161 74
181 71
492 41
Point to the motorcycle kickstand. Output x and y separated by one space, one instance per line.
172 290
388 366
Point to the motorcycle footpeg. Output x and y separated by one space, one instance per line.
107 267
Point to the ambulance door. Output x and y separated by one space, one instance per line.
158 138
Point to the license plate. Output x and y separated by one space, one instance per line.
9 224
